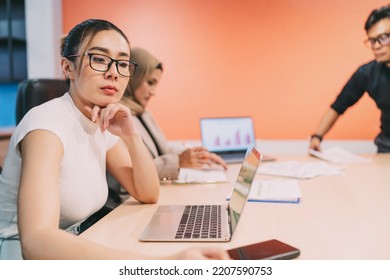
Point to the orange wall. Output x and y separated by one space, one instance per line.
281 61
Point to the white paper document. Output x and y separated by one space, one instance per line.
338 155
207 175
278 190
300 170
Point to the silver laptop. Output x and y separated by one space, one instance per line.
229 137
204 222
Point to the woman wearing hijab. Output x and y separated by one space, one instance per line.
141 88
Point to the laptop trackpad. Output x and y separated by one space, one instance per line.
164 223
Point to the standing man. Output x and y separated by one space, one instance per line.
373 78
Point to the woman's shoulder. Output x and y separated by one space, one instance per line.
56 109
148 115
51 115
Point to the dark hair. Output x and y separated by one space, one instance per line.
376 16
71 43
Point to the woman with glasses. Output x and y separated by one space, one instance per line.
142 87
373 78
54 175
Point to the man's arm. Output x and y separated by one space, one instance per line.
326 123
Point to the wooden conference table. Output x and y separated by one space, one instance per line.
339 217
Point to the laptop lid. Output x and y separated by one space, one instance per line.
227 134
242 186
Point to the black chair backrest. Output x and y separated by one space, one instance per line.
33 92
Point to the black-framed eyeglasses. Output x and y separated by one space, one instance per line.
102 63
383 39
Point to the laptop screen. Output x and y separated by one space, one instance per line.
227 133
243 185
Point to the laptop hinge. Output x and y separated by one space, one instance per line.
229 221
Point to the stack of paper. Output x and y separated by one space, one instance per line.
299 170
278 190
209 175
338 155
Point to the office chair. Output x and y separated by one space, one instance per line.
33 92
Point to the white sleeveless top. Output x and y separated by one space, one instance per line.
82 178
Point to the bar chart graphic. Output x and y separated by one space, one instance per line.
220 134
236 139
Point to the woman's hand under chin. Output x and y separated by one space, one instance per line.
116 118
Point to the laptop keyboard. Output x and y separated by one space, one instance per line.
233 158
200 221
